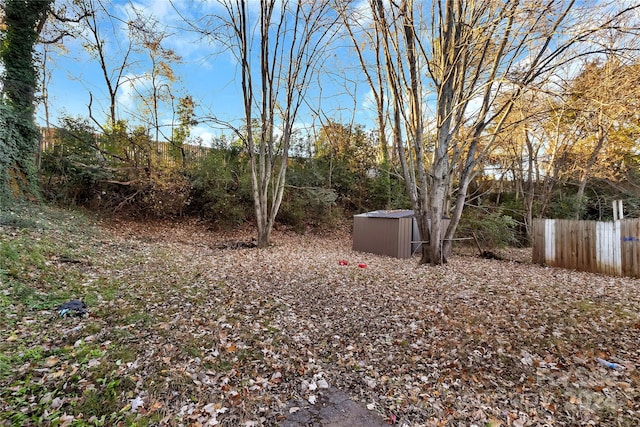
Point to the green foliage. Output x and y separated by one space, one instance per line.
307 201
18 144
346 156
567 205
19 35
313 206
183 130
18 133
386 190
221 187
493 229
74 168
122 170
346 159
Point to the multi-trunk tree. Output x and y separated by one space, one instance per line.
279 47
448 65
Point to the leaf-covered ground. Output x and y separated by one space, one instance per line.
185 329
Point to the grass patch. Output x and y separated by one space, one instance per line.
85 368
45 255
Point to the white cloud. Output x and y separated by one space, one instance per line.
369 101
129 95
362 13
177 20
204 134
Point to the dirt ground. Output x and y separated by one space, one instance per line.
186 328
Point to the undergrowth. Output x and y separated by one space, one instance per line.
53 370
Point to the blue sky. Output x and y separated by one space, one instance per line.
207 72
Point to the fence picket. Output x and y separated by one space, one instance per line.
162 149
600 247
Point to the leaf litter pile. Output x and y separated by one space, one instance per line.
186 328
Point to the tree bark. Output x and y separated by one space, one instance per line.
290 42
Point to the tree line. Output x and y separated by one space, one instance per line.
486 111
332 176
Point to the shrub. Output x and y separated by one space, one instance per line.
308 206
73 170
566 206
492 229
221 188
164 194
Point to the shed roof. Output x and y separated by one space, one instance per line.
397 213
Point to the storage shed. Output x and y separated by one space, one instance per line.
388 233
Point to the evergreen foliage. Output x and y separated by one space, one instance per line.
221 187
18 135
18 139
491 227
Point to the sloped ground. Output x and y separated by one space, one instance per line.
181 332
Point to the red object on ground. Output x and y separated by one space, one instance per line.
343 262
362 265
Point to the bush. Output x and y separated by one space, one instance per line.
221 188
73 171
492 229
565 206
164 194
311 206
122 171
117 171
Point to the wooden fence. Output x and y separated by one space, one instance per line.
161 150
611 248
191 152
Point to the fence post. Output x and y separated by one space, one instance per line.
620 212
617 210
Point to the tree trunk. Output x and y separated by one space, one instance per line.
587 171
264 236
19 135
434 216
529 191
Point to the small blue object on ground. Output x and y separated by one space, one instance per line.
72 308
610 365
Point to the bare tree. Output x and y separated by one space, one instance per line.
583 129
279 46
97 45
359 33
468 54
155 87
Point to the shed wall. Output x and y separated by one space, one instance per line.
383 236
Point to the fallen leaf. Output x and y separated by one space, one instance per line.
51 361
322 383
